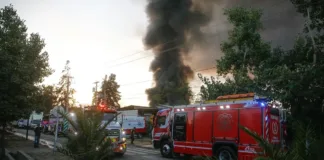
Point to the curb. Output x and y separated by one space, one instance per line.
24 156
44 142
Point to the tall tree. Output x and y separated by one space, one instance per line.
47 98
243 52
110 91
290 76
23 66
64 91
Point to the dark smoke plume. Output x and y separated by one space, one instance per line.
174 28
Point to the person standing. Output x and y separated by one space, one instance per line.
37 131
133 135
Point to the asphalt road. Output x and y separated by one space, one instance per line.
132 153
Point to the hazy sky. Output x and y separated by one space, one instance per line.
93 35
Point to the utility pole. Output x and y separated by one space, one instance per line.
68 83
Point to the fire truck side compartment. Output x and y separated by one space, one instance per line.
249 118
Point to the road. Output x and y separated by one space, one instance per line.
132 153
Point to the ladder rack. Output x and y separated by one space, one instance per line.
249 98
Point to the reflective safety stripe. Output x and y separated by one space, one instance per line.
182 146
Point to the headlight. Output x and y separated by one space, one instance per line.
75 133
123 132
124 139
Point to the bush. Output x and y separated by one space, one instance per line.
89 142
305 146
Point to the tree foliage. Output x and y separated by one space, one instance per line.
64 91
23 65
306 145
46 98
91 141
243 52
110 88
170 95
290 76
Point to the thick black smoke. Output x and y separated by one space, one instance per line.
173 26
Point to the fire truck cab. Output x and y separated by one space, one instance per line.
213 129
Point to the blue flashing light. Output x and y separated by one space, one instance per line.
262 104
266 118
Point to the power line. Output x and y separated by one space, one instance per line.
141 51
145 57
266 18
152 80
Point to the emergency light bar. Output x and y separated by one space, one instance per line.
238 98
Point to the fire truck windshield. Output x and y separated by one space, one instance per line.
161 120
109 116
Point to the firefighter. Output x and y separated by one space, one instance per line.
133 135
37 131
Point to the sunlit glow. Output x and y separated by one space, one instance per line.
93 58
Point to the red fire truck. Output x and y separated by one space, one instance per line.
212 129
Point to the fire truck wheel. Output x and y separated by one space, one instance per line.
225 153
166 149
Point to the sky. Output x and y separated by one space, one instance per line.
94 36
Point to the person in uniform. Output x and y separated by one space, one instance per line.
133 135
37 131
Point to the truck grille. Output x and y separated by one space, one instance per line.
113 132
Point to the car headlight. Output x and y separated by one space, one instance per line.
124 139
124 132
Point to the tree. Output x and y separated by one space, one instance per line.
213 87
110 92
300 150
23 67
290 76
170 94
91 141
64 91
47 98
313 11
243 52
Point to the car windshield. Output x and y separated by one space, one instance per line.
36 121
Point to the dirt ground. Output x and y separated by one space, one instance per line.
15 143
